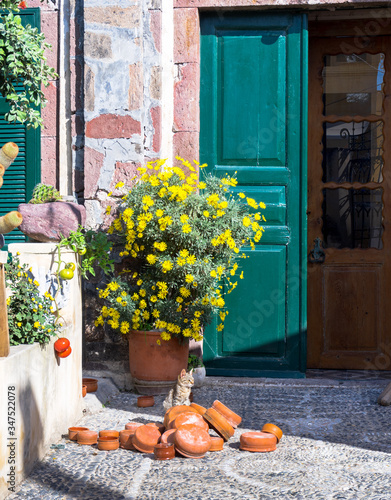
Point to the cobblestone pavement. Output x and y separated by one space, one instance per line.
336 445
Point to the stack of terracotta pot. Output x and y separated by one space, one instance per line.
184 431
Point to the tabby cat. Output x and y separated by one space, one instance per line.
180 393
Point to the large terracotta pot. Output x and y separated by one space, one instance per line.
155 368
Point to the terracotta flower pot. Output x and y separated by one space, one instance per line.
145 401
201 410
91 383
109 433
155 367
164 451
108 443
72 432
258 441
126 439
273 429
158 426
132 426
191 441
219 423
84 390
188 417
216 443
231 417
174 411
145 438
168 436
87 437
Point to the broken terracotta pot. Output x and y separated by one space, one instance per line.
216 443
168 436
164 451
109 433
174 411
158 425
273 429
87 437
107 443
145 438
219 423
231 417
72 432
126 439
201 410
191 441
188 417
258 441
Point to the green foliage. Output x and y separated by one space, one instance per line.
194 362
94 249
44 193
179 240
23 64
30 316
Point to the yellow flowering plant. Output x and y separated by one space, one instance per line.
179 242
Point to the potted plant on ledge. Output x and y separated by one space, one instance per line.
179 243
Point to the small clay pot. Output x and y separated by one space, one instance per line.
219 423
164 451
145 438
216 444
231 417
72 432
109 434
273 429
201 409
174 411
107 443
145 401
87 437
84 390
188 417
132 426
126 440
158 425
191 441
258 441
168 436
91 383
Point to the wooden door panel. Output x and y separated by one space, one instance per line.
348 293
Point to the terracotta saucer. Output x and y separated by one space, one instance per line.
168 436
108 443
87 437
219 423
273 429
109 433
91 383
72 432
145 401
188 417
201 410
258 441
216 444
164 451
132 426
158 425
232 418
174 411
126 439
145 438
191 441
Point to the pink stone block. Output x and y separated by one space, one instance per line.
157 125
93 163
186 98
186 145
186 36
155 25
124 172
49 26
49 112
112 127
49 163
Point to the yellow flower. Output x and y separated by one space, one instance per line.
142 292
252 203
142 304
119 185
206 213
179 300
186 228
191 259
184 253
242 195
139 282
148 201
36 324
189 278
153 298
181 261
184 291
167 266
241 275
213 200
213 273
184 218
159 213
202 185
125 326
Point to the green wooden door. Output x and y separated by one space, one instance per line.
21 177
253 122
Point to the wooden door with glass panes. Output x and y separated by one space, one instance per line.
349 204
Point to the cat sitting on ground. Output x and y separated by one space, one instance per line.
180 393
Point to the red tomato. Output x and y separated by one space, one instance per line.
65 353
61 344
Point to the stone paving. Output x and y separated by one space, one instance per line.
336 445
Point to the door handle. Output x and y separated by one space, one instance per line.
317 255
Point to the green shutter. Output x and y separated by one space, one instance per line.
21 177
